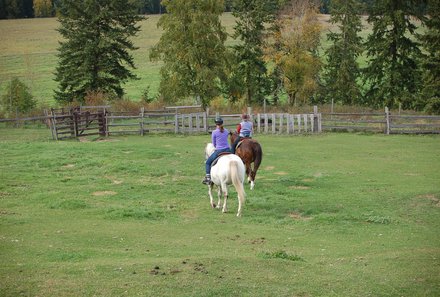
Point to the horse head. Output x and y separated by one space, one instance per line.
233 135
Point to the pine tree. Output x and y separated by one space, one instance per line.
430 97
94 55
250 71
393 76
192 49
341 72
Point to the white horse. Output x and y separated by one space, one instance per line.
228 170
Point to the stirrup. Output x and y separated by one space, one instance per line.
206 181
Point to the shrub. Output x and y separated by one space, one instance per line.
17 98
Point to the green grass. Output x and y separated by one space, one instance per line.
29 47
331 215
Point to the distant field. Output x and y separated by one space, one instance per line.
331 215
28 50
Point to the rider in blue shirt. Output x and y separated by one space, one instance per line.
245 129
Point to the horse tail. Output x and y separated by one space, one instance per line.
237 180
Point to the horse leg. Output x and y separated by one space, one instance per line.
219 195
249 174
225 197
211 199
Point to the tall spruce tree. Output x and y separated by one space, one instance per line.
430 96
341 71
393 75
94 55
192 49
249 73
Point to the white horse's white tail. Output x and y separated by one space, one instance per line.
237 181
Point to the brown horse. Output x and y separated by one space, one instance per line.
249 150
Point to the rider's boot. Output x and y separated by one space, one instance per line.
207 180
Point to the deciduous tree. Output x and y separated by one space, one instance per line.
17 97
297 55
43 8
192 49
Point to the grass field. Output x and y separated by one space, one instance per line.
331 215
29 47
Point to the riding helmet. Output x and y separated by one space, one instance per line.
219 121
245 116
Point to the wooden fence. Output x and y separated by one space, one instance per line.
386 122
100 120
77 124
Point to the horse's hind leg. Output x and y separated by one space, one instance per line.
219 195
211 199
251 175
225 197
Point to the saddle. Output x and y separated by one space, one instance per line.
241 141
219 155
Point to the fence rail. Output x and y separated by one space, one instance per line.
100 120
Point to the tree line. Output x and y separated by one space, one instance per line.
276 57
13 9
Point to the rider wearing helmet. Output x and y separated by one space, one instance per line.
220 141
245 129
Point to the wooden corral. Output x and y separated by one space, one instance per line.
101 120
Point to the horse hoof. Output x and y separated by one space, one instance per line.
213 205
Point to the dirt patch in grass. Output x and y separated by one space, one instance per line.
281 173
299 217
4 194
269 168
299 187
114 180
69 166
432 198
106 140
104 193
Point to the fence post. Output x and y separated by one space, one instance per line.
292 121
107 132
75 123
315 119
142 121
387 118
274 124
305 123
280 131
259 122
54 125
48 122
190 123
266 123
176 123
